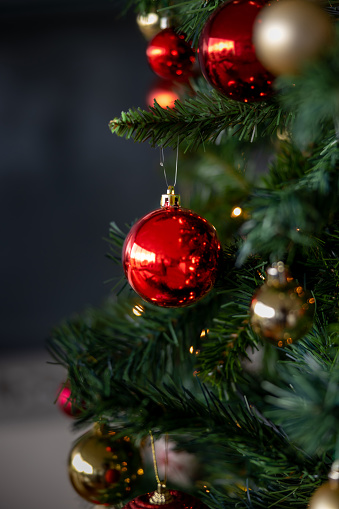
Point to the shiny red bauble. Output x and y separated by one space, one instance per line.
176 500
170 56
227 55
170 257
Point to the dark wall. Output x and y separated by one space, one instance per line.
66 69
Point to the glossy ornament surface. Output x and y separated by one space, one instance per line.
170 56
288 33
227 55
169 499
102 468
327 496
281 310
171 256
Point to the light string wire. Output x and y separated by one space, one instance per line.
162 163
156 471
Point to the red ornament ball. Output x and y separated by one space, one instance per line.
170 56
164 93
170 257
66 403
176 500
227 55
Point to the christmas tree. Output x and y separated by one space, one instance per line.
225 349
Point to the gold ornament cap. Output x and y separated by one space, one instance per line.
161 495
170 199
151 23
278 275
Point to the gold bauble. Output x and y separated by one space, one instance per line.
150 24
288 33
327 496
281 310
102 468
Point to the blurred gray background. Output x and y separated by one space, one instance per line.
66 69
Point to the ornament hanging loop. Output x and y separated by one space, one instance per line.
162 163
170 199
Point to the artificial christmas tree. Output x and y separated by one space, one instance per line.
264 428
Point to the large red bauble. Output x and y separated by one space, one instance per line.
170 56
178 500
227 55
170 257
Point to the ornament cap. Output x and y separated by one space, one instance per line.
277 275
170 199
161 495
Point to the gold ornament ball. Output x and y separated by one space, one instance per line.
287 33
326 497
281 310
102 468
150 24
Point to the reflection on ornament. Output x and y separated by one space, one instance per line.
327 496
281 310
171 256
102 468
226 53
170 56
288 33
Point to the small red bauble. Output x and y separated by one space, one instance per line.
66 402
171 255
227 55
170 56
163 93
171 499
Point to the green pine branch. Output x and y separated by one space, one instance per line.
195 121
295 204
304 399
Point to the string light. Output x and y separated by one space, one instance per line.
138 310
203 333
236 212
192 350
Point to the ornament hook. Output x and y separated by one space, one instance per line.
161 495
162 163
